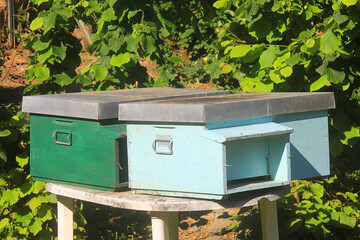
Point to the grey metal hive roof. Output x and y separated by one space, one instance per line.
226 107
103 104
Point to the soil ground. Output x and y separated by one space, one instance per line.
104 221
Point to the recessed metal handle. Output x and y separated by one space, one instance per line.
163 142
68 138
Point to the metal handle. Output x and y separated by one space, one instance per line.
163 141
68 143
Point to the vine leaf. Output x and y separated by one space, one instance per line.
22 160
36 226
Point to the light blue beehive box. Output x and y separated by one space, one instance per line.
210 147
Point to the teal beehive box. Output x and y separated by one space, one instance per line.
210 147
76 138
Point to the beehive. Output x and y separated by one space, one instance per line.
76 138
210 147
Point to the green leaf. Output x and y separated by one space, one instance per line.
159 83
329 42
220 4
5 133
39 45
346 220
349 2
321 82
275 77
10 196
149 44
295 224
24 217
335 76
132 43
4 222
63 79
225 43
310 43
120 59
44 213
3 155
66 13
132 13
59 51
108 15
226 69
83 80
268 56
42 72
317 189
293 60
280 59
174 59
240 51
286 71
37 187
45 56
35 202
36 23
22 160
49 22
36 227
100 72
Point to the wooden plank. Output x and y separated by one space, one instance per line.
65 218
140 202
269 220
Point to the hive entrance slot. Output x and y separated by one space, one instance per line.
245 181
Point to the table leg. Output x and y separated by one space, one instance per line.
164 225
65 218
269 220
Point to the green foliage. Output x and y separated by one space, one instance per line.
25 207
243 45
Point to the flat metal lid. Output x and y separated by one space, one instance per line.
103 104
226 107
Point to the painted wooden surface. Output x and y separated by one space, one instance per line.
140 202
164 225
65 218
207 163
269 220
96 157
164 210
309 143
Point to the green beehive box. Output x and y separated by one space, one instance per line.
76 138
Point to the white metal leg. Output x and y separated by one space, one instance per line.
65 218
269 220
164 225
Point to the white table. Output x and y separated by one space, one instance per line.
164 210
